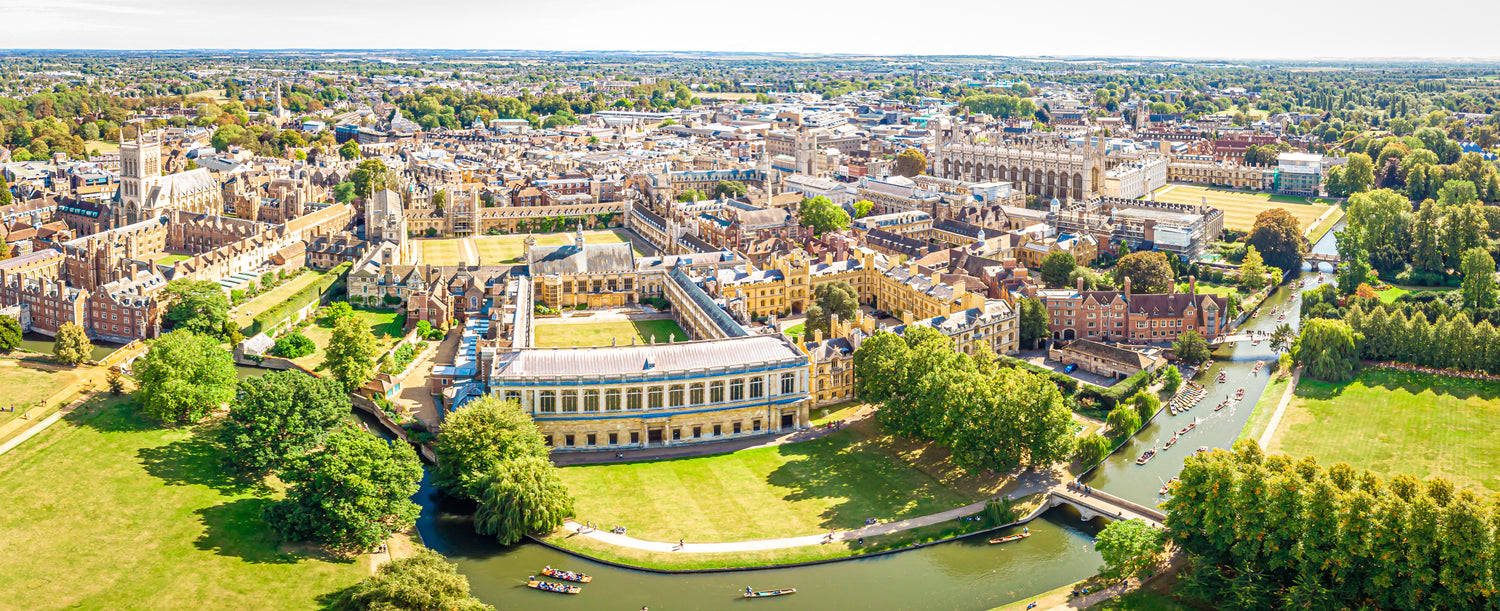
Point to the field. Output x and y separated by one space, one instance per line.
276 296
27 384
1398 422
498 249
557 334
1241 207
382 324
105 511
833 482
95 147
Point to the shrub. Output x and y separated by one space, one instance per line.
293 345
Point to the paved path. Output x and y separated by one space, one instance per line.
468 253
704 449
41 425
1286 397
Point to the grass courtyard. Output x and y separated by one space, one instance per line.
498 249
382 324
104 510
274 297
1391 422
834 482
550 333
1240 207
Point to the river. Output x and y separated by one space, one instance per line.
968 574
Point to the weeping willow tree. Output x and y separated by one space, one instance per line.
520 496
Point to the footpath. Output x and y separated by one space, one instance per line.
41 425
1286 398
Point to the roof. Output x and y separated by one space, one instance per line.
591 259
652 359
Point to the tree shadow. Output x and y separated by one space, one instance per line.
195 461
110 414
239 529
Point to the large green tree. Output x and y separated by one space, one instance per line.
831 299
520 496
183 377
1033 321
199 306
1326 349
349 495
371 176
1130 548
1278 238
351 353
1479 278
1359 173
881 367
474 439
1057 268
822 215
911 162
1191 348
1148 271
71 346
423 582
10 333
279 416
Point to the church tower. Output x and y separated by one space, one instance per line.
140 165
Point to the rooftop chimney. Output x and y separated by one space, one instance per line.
1080 285
1127 286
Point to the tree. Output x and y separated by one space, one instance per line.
1057 267
1000 106
344 192
1130 548
335 312
1122 421
1148 271
351 494
881 367
484 433
1252 270
425 581
1359 173
5 197
183 377
1278 239
278 417
862 208
72 345
1092 448
1171 380
10 334
370 176
1034 321
911 162
1479 278
520 496
350 150
1282 337
730 189
1326 349
1145 403
351 353
822 215
293 345
831 299
199 306
1191 348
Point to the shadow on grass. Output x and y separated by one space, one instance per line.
195 462
239 529
110 414
1409 381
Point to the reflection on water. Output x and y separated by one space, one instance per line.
36 342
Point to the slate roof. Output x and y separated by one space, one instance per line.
568 259
737 353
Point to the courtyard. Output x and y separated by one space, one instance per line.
1240 207
383 325
551 333
1392 422
503 249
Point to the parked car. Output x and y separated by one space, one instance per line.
1070 368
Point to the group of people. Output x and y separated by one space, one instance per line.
1074 485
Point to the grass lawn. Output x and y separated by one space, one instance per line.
1321 228
551 333
495 249
441 252
1240 207
838 411
1390 295
796 331
104 510
1398 422
833 482
1209 289
274 297
170 259
1264 407
382 324
95 147
27 384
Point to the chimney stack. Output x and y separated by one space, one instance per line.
1127 287
1080 285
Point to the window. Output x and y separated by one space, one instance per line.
633 398
591 400
635 437
716 392
614 439
653 397
569 401
697 432
755 426
695 393
547 440
737 389
736 428
757 387
676 434
568 440
592 439
788 383
674 395
548 402
718 430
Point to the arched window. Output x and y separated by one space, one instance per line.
591 400
675 395
547 402
653 397
633 398
612 399
695 394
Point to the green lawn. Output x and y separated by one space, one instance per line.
274 297
1240 207
1264 407
495 249
838 411
1398 422
834 482
1209 289
441 252
27 384
170 259
382 324
106 511
1395 292
557 334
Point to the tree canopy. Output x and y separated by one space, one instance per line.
1191 348
10 333
1057 268
351 353
1130 548
279 416
822 215
1278 239
422 582
911 162
1327 349
71 346
831 299
183 377
351 494
199 306
520 496
485 432
1148 271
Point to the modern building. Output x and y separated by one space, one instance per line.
1299 173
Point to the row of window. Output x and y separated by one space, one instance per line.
654 397
573 440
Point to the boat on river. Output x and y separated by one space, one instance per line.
769 593
1170 443
1223 377
1146 457
1167 487
1258 366
1008 538
1191 425
1222 404
1239 394
566 575
555 588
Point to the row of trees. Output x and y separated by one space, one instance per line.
1384 234
989 417
1388 334
1273 532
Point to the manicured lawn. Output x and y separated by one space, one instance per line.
1395 292
1398 422
1240 207
170 259
274 297
382 324
553 333
441 252
1209 289
96 147
796 331
1264 408
27 384
495 249
838 411
106 511
834 482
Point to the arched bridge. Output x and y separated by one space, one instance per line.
1092 503
1313 257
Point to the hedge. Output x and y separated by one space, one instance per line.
1109 397
1065 383
309 294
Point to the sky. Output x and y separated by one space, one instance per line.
1157 28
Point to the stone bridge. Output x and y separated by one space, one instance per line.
1095 504
1332 258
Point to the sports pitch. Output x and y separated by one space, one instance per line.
1241 207
500 249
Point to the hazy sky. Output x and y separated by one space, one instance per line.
1180 28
